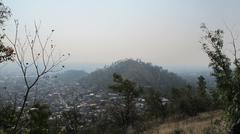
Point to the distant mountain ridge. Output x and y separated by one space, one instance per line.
144 74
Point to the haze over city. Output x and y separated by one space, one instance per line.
119 67
164 32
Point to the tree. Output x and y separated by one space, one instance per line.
126 112
7 112
184 101
155 107
8 116
6 52
35 57
5 13
226 70
203 99
39 116
201 86
73 121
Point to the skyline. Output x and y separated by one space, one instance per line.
166 33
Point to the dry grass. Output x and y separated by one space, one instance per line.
194 125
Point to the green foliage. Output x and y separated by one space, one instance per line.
178 131
184 102
6 53
215 99
155 107
201 86
202 97
56 125
39 116
125 87
8 116
5 12
190 102
225 70
2 132
125 114
73 121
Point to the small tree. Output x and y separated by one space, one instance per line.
226 70
129 92
6 52
8 111
201 86
155 107
184 101
202 97
8 117
39 115
5 12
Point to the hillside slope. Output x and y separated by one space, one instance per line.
205 123
144 74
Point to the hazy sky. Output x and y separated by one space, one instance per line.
164 32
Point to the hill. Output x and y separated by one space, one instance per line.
144 74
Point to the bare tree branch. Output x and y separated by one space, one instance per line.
36 55
233 38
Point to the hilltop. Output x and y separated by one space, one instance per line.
144 74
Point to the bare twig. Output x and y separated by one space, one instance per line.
40 61
233 38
